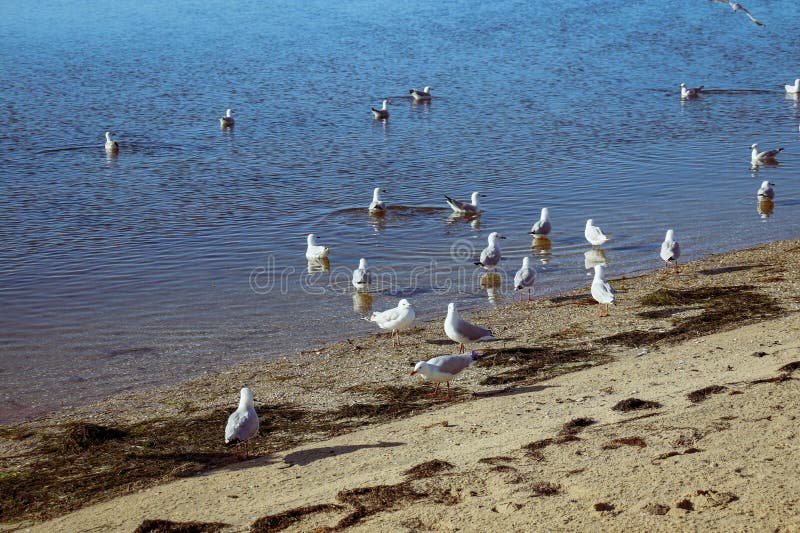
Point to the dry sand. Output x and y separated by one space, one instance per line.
726 462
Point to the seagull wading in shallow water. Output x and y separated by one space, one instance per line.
739 7
543 226
243 422
793 89
524 277
424 94
377 204
314 250
395 319
461 331
111 144
361 275
766 190
382 113
594 234
601 290
491 255
692 92
227 121
766 156
443 369
463 207
670 251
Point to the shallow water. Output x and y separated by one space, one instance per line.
185 253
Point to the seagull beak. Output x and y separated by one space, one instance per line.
413 372
501 237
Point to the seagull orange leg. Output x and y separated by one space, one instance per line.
461 349
529 294
435 391
448 391
676 267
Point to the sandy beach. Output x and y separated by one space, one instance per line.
676 412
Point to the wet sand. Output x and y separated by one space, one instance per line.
348 417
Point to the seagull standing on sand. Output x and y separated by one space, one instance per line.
462 331
395 319
524 277
227 121
424 94
766 190
543 226
314 250
594 234
382 113
443 369
111 144
243 422
692 92
670 250
490 256
739 7
465 208
377 204
767 156
793 89
601 290
361 276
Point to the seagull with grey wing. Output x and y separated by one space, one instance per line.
767 156
601 290
524 277
465 208
739 7
670 251
361 276
491 255
243 423
542 226
690 92
461 331
766 190
443 369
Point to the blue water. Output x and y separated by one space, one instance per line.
129 271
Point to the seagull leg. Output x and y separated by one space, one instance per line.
448 391
676 267
666 269
435 391
461 349
529 294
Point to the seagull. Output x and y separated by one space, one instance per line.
395 319
461 331
736 7
543 226
766 190
382 113
793 89
601 290
424 94
314 250
361 276
377 204
465 208
766 156
524 278
443 368
693 92
670 250
490 256
111 144
227 121
243 422
594 234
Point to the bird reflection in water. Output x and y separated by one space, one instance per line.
474 220
362 303
377 220
541 245
594 257
321 264
765 207
491 281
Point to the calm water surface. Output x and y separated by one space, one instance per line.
186 252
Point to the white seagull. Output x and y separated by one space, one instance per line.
601 290
314 250
227 121
524 277
767 156
793 89
463 207
243 422
670 251
382 113
424 94
543 226
361 275
443 369
395 320
692 92
490 256
377 204
766 190
594 234
739 7
461 331
111 144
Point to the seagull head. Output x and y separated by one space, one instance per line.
670 235
451 309
590 222
526 262
754 146
419 366
228 112
404 304
312 239
362 264
108 135
600 271
246 397
426 89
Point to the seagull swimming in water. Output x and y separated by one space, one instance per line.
314 250
465 208
491 255
767 156
692 92
395 319
227 121
424 94
766 190
739 7
543 226
382 113
377 204
793 89
111 144
242 423
461 331
594 234
670 251
443 369
601 290
524 277
361 276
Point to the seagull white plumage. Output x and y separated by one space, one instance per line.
396 319
314 250
424 94
594 234
690 92
767 156
670 251
361 275
227 121
524 278
735 6
601 290
465 208
111 144
542 226
382 113
443 369
491 255
242 423
377 204
461 331
766 190
793 89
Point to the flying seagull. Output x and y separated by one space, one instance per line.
736 6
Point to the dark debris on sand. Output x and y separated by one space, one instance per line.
166 526
634 404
